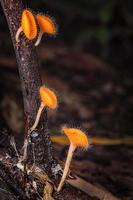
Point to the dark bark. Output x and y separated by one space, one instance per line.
28 67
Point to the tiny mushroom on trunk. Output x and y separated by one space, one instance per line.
28 26
48 99
46 25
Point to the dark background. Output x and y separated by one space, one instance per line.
89 64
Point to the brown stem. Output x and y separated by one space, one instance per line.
30 80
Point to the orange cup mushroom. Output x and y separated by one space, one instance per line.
77 138
28 26
48 99
46 25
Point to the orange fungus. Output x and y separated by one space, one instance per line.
77 137
48 97
28 24
46 24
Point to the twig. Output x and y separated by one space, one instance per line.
90 189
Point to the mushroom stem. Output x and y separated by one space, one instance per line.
18 33
67 165
39 38
37 118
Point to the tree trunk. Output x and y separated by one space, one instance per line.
28 67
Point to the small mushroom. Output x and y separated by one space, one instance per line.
48 99
77 138
46 25
28 25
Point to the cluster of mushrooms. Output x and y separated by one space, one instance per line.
76 137
30 23
48 98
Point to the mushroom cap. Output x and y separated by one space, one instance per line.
28 24
77 137
46 24
48 97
